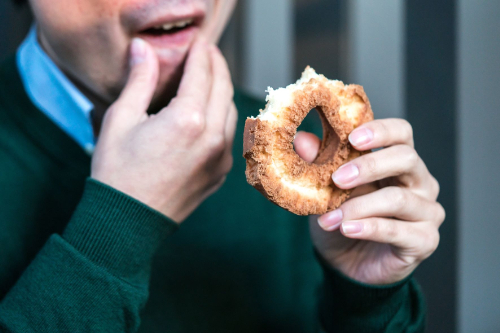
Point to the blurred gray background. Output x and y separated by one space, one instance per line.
435 63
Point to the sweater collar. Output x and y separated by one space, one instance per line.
53 93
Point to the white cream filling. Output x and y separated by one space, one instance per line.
280 98
305 188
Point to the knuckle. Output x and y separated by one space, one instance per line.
228 165
230 89
383 129
227 91
221 181
435 187
190 105
391 231
433 238
216 143
399 198
192 124
369 165
441 214
435 241
410 156
222 75
216 184
371 226
407 130
233 115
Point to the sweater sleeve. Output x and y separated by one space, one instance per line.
95 276
347 305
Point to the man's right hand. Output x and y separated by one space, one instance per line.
173 160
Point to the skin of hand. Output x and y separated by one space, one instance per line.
172 160
390 222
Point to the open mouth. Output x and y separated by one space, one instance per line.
171 28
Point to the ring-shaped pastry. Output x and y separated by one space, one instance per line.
273 166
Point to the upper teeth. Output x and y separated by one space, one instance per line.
178 24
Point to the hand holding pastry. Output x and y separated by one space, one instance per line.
390 223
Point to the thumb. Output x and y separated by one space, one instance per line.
306 145
135 98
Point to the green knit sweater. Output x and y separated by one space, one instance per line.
79 256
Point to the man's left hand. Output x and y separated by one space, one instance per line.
390 223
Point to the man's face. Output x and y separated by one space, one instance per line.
89 39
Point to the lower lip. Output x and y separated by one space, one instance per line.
180 38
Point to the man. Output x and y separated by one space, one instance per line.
153 241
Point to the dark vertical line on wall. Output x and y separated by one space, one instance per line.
320 40
344 60
431 109
319 37
231 45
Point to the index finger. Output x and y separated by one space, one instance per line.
382 133
196 81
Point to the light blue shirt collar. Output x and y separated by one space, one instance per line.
53 93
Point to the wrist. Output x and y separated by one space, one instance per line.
348 305
372 274
116 231
142 192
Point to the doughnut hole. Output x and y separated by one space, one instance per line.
329 139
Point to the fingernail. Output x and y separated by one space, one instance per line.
137 51
350 228
345 174
331 220
361 136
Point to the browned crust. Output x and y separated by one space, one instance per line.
266 144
